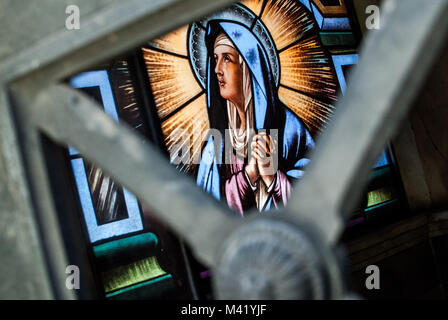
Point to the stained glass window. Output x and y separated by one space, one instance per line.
129 250
309 47
291 60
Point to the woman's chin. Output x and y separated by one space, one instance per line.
225 95
231 96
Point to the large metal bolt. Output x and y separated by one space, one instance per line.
271 258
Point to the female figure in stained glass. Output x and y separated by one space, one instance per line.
261 147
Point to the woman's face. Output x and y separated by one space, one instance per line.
229 73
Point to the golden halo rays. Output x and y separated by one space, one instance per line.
174 41
308 83
286 21
314 113
306 68
172 81
254 5
192 121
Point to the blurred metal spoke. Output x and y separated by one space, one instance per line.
394 63
68 117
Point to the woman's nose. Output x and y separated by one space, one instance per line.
218 69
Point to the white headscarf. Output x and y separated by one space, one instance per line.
238 137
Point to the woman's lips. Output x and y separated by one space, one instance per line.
221 83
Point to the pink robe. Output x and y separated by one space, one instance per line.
240 194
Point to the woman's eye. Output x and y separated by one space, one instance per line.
227 58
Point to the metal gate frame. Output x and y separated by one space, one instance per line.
394 63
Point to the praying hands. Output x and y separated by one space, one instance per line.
262 159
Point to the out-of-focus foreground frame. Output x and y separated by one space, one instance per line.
33 101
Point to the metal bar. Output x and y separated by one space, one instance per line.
394 63
42 201
407 45
66 116
114 30
23 271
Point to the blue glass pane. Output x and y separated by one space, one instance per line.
382 161
133 222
